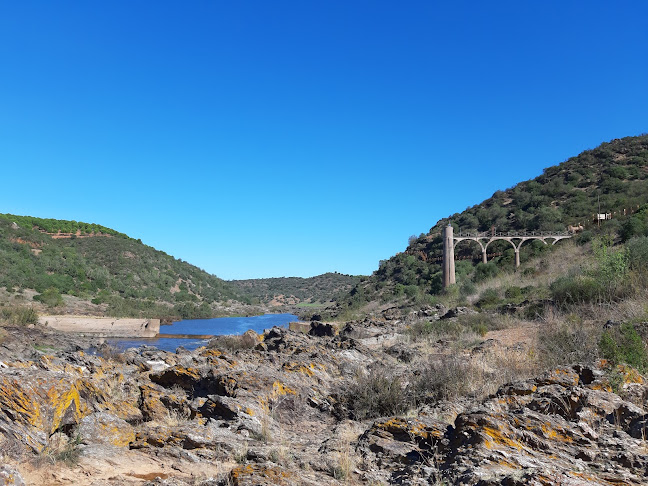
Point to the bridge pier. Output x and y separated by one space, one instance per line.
517 257
448 257
484 257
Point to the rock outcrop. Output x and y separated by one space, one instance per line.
271 413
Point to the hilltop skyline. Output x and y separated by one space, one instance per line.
290 139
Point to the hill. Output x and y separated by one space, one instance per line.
295 290
49 259
613 176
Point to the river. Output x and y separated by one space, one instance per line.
217 326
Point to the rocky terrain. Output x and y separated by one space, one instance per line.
360 404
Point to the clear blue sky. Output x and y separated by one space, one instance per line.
291 138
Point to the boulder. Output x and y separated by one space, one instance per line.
105 428
9 476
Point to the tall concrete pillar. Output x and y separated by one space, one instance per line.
484 257
517 257
448 257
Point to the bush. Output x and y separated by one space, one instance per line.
575 289
51 297
624 345
584 237
467 288
18 316
449 378
513 293
489 298
637 249
377 394
484 271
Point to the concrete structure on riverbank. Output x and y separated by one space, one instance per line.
108 327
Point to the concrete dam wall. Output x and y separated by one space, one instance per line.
103 326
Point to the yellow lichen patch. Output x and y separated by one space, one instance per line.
555 433
498 438
308 370
630 375
249 411
412 428
510 465
20 364
118 436
211 352
20 406
562 374
274 475
602 386
62 400
279 389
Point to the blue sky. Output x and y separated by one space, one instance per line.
292 138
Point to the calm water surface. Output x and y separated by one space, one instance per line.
218 326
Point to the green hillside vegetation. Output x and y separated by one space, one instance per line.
125 276
318 289
55 225
613 175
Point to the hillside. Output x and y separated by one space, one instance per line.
613 175
49 259
295 290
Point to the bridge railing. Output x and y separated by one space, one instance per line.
513 234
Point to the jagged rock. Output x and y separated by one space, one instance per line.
322 329
157 403
397 441
35 404
10 476
261 475
200 381
457 311
220 407
104 428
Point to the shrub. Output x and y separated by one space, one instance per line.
377 394
467 288
513 293
584 237
449 378
624 345
637 249
484 271
18 316
489 298
575 289
51 297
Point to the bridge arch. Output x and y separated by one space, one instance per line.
516 239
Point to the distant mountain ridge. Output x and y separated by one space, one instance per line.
295 290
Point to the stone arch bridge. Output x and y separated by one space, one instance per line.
515 238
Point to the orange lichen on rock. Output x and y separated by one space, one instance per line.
279 389
498 438
255 474
18 404
308 370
